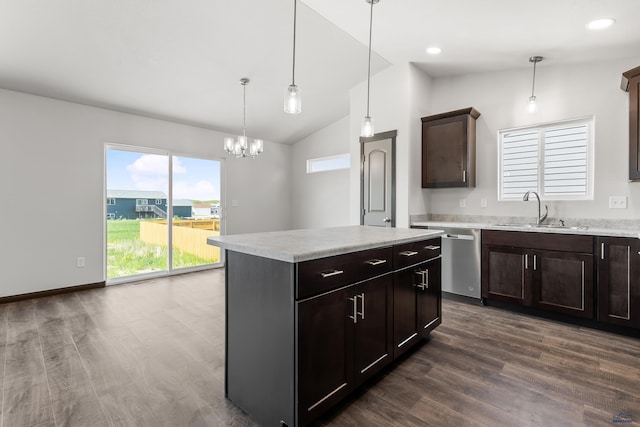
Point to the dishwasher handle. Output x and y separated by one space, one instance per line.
458 236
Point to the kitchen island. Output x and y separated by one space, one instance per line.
312 314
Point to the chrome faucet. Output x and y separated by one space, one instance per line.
539 219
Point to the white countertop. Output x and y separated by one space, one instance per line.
305 245
589 231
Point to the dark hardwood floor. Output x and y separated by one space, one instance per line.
152 354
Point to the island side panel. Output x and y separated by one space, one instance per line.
260 325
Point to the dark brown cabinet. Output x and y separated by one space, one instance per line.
504 275
301 336
449 149
631 83
563 282
619 281
553 272
416 295
345 338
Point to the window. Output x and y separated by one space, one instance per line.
553 159
140 202
322 164
111 201
158 201
111 216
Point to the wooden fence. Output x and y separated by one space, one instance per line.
186 237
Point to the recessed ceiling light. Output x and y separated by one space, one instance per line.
433 50
599 24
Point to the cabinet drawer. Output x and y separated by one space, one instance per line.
412 253
577 243
325 274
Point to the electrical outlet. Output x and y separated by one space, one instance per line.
463 203
617 202
483 202
80 262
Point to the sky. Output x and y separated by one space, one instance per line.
193 179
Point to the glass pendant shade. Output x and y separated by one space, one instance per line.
259 145
229 144
533 106
367 127
293 100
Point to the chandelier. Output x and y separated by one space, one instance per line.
241 146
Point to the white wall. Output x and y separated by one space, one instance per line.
321 199
563 92
52 180
399 97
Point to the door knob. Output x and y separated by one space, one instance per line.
387 219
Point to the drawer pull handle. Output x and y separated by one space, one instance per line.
375 261
361 313
354 300
423 276
326 274
408 253
432 247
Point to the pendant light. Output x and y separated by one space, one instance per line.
533 107
241 146
367 129
292 96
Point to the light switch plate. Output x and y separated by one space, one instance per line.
617 202
463 203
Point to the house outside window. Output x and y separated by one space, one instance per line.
553 159
111 201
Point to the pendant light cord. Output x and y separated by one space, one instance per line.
293 73
533 86
244 109
369 69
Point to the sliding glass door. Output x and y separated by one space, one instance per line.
160 208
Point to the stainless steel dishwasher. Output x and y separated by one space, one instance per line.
460 261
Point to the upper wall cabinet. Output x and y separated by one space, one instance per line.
631 83
449 149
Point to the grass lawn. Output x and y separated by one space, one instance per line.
128 255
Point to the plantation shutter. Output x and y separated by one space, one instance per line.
565 160
553 159
519 163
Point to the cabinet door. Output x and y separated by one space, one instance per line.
506 274
563 282
325 352
373 348
634 125
405 318
444 153
430 298
619 281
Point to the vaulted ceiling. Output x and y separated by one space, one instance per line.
183 60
